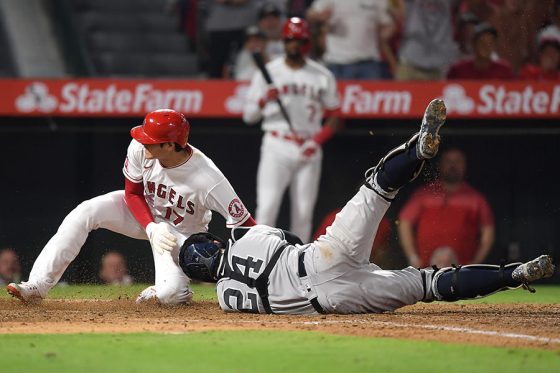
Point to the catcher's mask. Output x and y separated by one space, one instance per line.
200 256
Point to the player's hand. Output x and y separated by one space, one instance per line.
308 149
414 261
270 95
161 237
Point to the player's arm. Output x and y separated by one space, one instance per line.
134 198
487 234
406 238
223 199
487 231
255 102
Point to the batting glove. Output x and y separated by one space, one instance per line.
270 95
161 237
309 149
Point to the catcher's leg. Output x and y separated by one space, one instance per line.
404 163
351 234
480 280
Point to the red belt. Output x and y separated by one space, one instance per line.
289 136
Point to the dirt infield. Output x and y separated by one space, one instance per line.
519 325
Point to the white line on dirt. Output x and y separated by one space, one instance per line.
407 326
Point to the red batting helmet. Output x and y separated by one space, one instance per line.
161 126
295 28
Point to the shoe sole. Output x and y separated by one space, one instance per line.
435 116
14 292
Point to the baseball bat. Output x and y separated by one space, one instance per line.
259 61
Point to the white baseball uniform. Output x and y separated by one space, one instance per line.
305 92
182 196
338 273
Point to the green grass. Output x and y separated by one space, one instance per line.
546 294
258 351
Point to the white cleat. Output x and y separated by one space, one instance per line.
25 291
147 294
428 137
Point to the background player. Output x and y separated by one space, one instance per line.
292 156
262 270
170 189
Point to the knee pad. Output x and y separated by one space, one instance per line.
472 281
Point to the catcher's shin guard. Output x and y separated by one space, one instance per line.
473 281
399 167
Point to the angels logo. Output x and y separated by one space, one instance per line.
36 97
457 100
236 208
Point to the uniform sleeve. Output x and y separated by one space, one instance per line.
331 100
223 199
251 111
132 168
411 210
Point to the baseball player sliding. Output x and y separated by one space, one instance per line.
264 270
170 189
291 147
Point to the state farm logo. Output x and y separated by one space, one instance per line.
502 99
79 97
457 100
234 104
357 99
36 97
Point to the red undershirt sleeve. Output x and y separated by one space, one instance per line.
249 222
134 197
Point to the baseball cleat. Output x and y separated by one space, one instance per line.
536 269
428 137
25 292
147 294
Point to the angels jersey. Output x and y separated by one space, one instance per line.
249 257
305 93
184 195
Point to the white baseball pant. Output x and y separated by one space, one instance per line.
108 211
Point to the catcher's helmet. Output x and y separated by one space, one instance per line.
161 126
295 28
200 256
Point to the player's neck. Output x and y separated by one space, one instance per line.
176 159
295 63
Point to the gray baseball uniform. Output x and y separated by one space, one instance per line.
339 277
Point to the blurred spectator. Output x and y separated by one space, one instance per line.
427 46
270 22
512 23
10 268
226 24
447 220
553 29
114 270
466 25
255 40
548 61
482 9
355 30
297 8
380 244
485 63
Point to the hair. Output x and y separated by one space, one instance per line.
178 148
